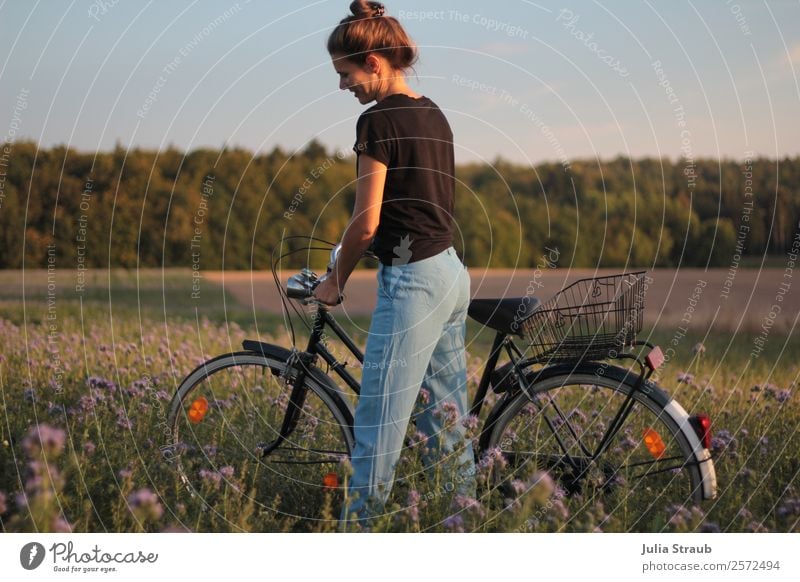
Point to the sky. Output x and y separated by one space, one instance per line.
525 81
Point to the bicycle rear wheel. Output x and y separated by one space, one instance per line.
645 467
228 409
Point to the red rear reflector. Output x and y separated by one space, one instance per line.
702 426
198 410
655 358
654 444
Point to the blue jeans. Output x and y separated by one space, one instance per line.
416 339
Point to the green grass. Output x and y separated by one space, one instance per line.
107 376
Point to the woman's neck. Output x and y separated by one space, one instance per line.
394 86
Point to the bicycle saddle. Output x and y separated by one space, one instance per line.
505 315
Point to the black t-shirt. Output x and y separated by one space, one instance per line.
412 137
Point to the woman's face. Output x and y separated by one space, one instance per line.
361 80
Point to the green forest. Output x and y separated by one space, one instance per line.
228 209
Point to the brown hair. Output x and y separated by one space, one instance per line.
367 31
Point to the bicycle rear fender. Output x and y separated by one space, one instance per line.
623 375
320 377
701 454
671 407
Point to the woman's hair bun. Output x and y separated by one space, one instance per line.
368 30
364 9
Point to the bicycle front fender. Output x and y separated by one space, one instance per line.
317 375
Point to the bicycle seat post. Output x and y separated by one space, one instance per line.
491 364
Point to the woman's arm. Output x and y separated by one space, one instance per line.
360 230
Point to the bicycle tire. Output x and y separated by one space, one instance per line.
216 446
637 494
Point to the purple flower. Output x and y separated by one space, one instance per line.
685 378
21 500
560 509
86 403
698 348
123 421
577 413
470 422
89 447
454 523
413 505
722 441
678 516
61 525
212 478
470 504
744 513
770 390
101 384
419 439
46 439
145 505
424 396
448 412
519 487
226 471
789 509
628 443
782 396
493 456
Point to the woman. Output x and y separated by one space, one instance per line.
404 203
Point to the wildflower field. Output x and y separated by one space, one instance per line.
86 379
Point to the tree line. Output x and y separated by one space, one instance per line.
229 208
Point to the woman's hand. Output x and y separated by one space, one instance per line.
327 292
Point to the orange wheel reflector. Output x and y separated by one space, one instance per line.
654 444
198 410
330 481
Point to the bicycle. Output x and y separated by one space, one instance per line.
274 425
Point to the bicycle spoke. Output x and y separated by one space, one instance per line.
221 443
596 442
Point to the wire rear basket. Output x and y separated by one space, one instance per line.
590 319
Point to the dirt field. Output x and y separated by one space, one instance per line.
716 300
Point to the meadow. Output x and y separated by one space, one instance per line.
86 376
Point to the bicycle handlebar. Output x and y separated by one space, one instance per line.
301 286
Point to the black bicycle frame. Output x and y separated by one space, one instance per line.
316 345
502 342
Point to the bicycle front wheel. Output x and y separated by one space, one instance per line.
564 426
222 418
